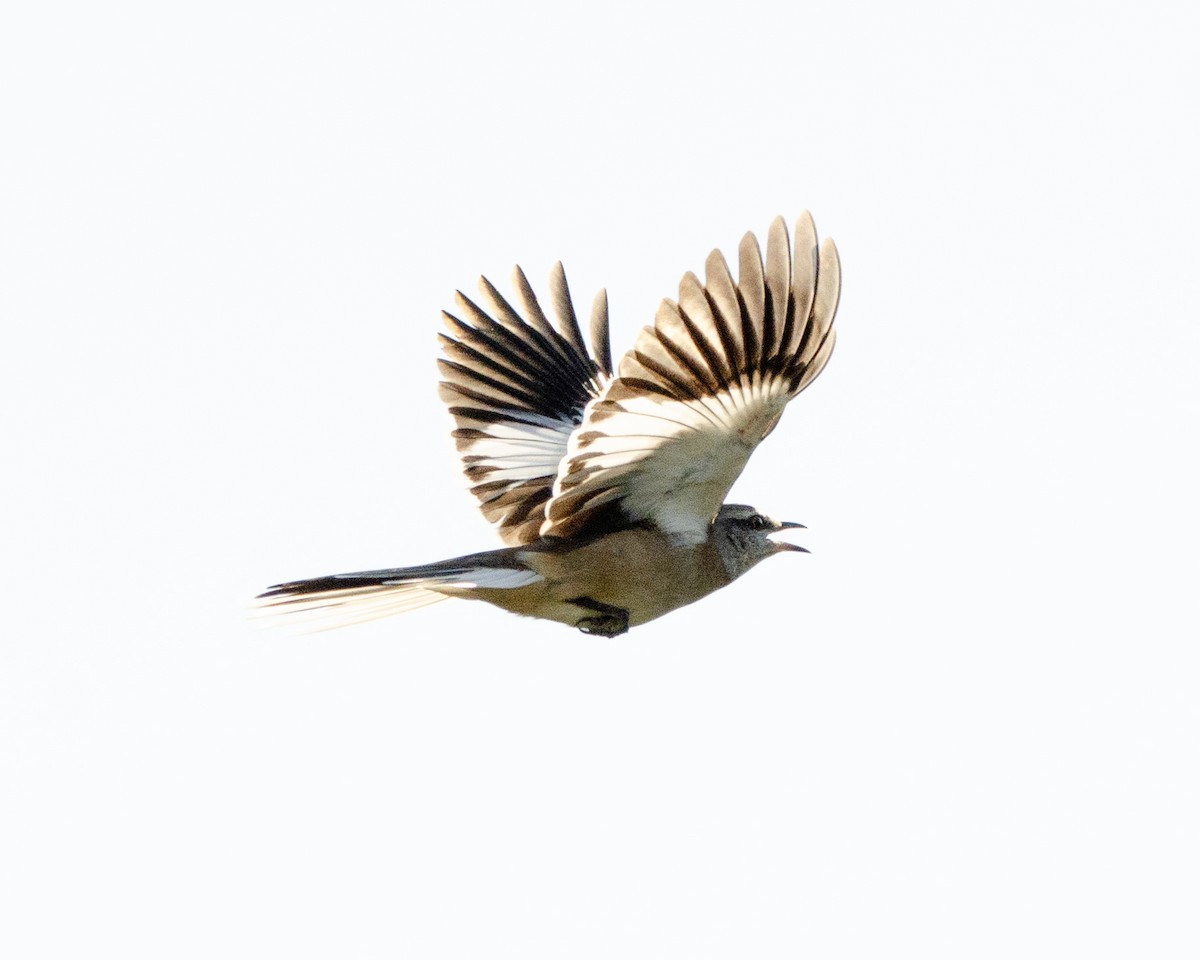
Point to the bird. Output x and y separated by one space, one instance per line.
607 484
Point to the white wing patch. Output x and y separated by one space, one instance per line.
524 447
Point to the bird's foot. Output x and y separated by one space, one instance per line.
609 621
604 626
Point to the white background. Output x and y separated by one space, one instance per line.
966 726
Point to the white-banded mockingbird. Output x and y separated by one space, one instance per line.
608 488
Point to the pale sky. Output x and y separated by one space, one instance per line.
965 726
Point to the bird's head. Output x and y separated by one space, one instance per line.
741 535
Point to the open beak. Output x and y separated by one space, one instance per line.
782 545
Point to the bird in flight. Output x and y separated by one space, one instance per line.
608 485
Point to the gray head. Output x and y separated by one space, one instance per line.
740 534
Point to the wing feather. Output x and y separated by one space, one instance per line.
804 278
564 311
700 389
598 330
777 273
517 388
708 330
534 315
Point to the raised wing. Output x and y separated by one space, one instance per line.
700 390
517 389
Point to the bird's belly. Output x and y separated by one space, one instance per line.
638 571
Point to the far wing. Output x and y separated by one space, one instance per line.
517 388
701 389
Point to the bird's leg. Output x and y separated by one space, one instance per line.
609 621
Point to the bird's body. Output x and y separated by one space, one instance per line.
608 488
611 580
603 585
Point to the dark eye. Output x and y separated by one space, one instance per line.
758 522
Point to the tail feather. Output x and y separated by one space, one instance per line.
324 603
310 606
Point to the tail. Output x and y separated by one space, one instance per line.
343 599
